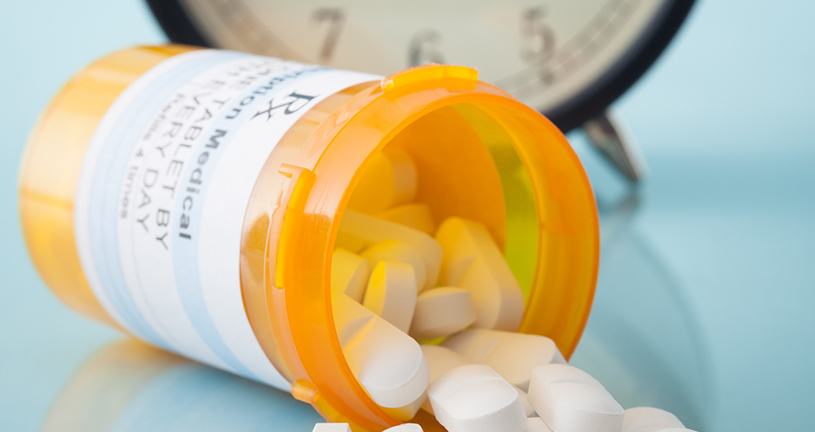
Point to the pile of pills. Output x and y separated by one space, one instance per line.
400 284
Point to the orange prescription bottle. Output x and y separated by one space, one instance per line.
192 198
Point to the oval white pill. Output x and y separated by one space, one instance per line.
388 363
473 261
398 251
473 398
647 419
391 293
570 400
442 312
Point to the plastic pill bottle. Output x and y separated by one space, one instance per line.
192 198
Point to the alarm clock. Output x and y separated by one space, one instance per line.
570 59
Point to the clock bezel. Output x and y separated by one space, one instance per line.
592 101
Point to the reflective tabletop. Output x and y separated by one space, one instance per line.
706 291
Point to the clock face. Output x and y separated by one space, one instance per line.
555 55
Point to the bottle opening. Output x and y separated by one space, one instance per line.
478 155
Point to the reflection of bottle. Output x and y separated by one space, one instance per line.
643 341
192 198
132 387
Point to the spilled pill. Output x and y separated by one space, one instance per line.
440 360
349 274
570 400
414 215
647 419
388 180
473 398
388 363
473 261
511 355
442 312
359 229
398 251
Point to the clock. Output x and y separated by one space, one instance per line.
570 59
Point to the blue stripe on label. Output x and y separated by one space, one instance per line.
107 181
185 241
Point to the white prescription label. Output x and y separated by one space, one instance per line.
163 190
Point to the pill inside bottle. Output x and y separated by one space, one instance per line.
206 201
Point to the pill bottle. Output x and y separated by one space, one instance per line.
192 198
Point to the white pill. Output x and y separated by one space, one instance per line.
474 344
349 274
647 419
389 179
473 261
398 251
414 215
391 293
473 398
360 231
331 427
442 312
528 409
535 424
388 363
512 355
407 427
570 400
440 360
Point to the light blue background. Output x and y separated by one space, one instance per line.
706 295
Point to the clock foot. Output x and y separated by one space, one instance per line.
606 132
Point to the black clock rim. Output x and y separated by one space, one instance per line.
179 28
